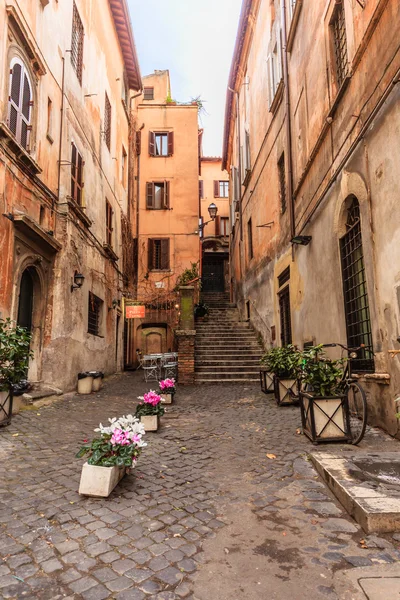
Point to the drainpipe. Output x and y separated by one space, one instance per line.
288 122
240 178
137 181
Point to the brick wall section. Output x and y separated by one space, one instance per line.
185 341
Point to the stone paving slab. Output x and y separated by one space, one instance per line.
208 514
372 500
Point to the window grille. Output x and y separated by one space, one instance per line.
148 93
284 277
77 44
285 320
107 122
109 223
358 323
282 182
94 314
158 254
250 239
340 43
76 175
20 103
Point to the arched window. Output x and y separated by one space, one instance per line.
20 103
358 323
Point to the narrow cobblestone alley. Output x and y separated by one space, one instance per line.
207 514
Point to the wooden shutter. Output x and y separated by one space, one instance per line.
170 143
271 93
150 258
166 195
138 142
152 143
14 97
201 189
149 195
164 254
217 225
216 189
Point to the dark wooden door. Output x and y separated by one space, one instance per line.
213 275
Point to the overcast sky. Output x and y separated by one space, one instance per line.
195 41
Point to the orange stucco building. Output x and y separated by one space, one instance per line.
214 189
167 208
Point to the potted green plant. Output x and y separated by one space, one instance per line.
266 373
201 310
110 455
284 362
14 361
323 405
149 410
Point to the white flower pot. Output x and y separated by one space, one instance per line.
150 422
167 398
85 385
99 481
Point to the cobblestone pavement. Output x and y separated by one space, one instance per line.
207 514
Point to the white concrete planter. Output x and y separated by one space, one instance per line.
85 385
150 422
286 391
99 481
167 398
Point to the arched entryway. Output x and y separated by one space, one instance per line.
29 315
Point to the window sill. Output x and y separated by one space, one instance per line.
79 212
293 24
161 155
246 178
277 98
22 156
50 139
110 252
338 97
95 334
383 378
159 270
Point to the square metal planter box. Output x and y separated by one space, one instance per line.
6 407
99 481
150 422
325 419
286 391
266 381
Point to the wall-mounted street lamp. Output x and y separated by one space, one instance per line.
212 211
301 240
78 281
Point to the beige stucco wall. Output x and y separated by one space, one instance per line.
329 164
211 170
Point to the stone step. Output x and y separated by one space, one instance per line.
252 362
228 345
225 337
212 375
244 380
227 369
228 354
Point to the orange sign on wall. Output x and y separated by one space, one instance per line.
135 312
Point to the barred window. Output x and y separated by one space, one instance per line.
20 103
109 224
285 318
107 121
338 25
77 165
158 254
94 314
77 43
358 321
282 182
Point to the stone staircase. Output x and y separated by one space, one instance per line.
227 350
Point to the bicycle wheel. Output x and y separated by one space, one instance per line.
358 411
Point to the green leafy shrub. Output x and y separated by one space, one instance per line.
14 352
284 362
321 375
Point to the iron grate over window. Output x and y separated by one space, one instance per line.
77 43
285 320
94 314
284 277
358 323
107 121
282 182
340 43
